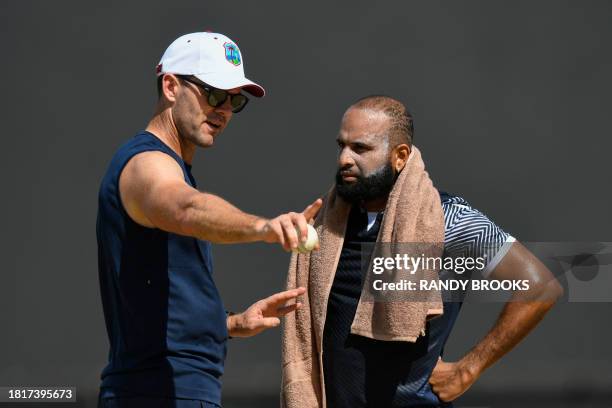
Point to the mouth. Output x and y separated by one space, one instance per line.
346 176
216 125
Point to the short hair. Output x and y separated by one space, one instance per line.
401 127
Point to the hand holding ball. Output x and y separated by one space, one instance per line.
311 242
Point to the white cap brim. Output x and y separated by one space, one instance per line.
224 81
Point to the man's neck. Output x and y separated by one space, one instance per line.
376 205
162 126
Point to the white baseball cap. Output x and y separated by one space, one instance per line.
211 57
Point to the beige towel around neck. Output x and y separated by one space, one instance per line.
413 214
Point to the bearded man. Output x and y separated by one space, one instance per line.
343 349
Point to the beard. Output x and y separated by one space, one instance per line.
365 188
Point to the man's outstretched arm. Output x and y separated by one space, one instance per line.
518 317
154 193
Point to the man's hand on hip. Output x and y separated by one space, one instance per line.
518 317
450 380
263 314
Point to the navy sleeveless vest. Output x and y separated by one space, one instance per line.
165 319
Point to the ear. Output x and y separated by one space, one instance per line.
170 87
399 157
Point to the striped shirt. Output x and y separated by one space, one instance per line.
468 232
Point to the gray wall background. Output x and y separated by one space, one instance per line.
512 107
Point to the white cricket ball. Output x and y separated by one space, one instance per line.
311 242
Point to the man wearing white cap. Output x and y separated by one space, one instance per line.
166 322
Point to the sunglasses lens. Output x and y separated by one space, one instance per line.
217 97
238 102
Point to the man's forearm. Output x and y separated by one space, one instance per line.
516 320
209 217
518 317
521 314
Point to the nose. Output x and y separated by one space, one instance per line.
345 160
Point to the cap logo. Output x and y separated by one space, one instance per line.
232 55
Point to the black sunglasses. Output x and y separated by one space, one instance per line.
217 97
